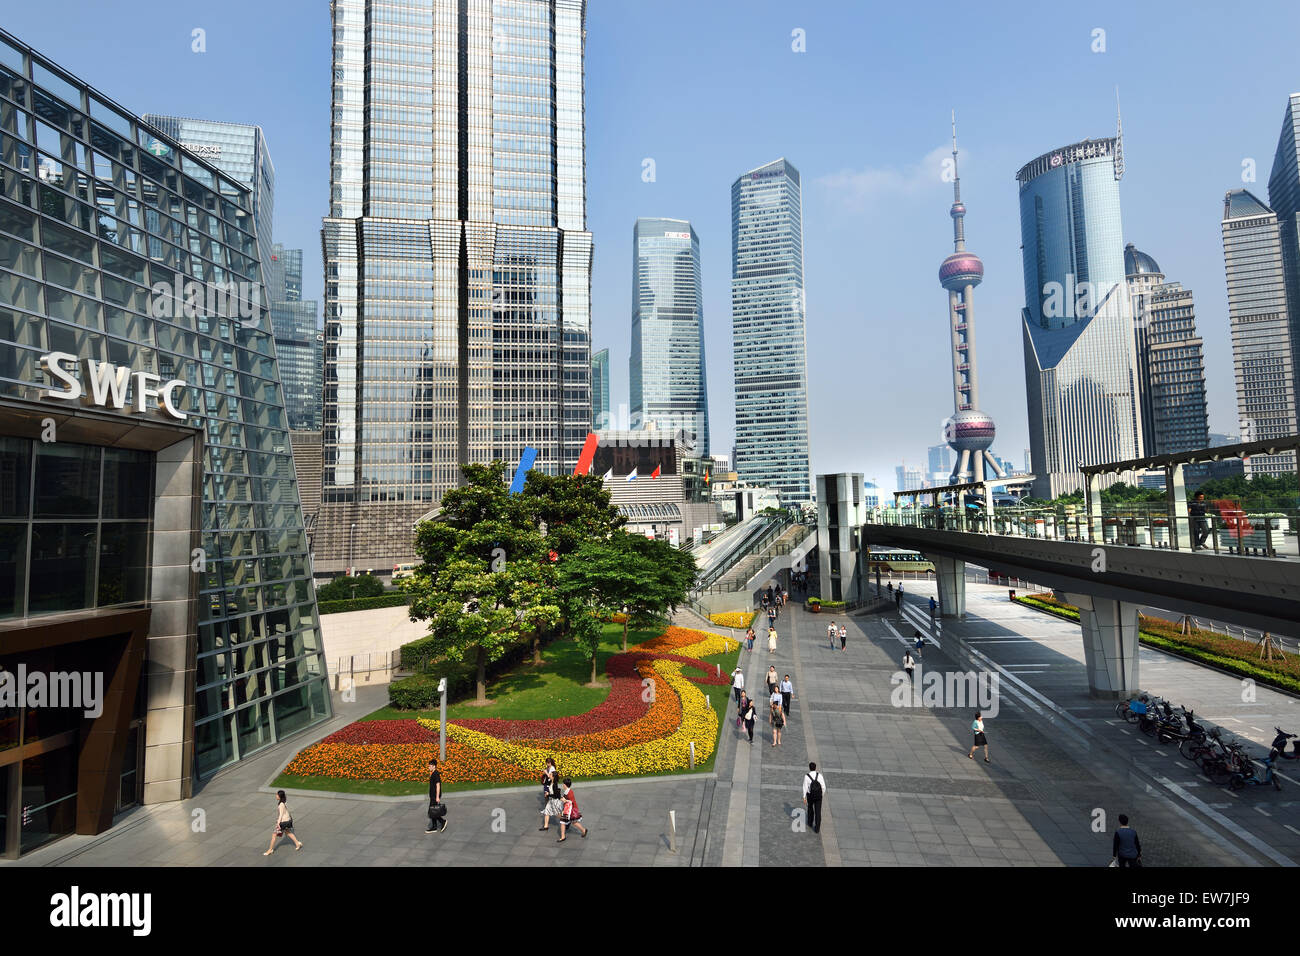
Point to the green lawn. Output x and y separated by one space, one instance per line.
528 693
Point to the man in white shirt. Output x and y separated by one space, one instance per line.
737 683
787 691
814 788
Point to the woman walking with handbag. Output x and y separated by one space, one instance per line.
570 816
777 718
977 725
283 823
554 800
748 717
771 640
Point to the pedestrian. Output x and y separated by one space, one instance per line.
1126 848
814 788
772 680
908 663
554 800
787 693
570 816
977 725
771 640
844 637
740 711
1200 527
785 597
830 633
283 823
777 718
891 588
898 595
437 809
933 607
748 717
749 638
920 643
737 682
549 776
771 614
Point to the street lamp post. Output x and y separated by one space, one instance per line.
352 537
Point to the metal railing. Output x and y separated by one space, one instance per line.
766 530
362 668
1227 527
736 577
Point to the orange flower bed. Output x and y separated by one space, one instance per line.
403 762
663 717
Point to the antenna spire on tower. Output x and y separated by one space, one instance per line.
1119 139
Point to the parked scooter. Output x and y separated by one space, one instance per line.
1278 747
1169 732
1246 774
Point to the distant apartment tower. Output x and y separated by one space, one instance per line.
296 339
767 322
234 148
1170 359
1080 366
1284 197
939 461
1263 352
600 390
457 261
667 384
909 479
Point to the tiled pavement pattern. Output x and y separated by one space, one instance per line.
900 790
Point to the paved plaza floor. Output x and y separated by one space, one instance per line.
900 790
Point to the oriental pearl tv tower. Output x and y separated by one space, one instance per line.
969 431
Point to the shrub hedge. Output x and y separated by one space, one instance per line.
362 604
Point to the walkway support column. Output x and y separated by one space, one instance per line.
1180 529
950 575
1110 644
1092 498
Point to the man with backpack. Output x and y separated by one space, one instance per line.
814 788
437 809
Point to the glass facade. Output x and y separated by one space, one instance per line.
236 149
457 262
1263 353
767 328
600 390
97 214
667 380
297 346
1080 362
1284 197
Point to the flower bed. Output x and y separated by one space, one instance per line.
737 619
630 732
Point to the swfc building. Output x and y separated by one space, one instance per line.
1080 363
151 538
666 379
457 261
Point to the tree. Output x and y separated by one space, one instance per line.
486 581
585 628
570 509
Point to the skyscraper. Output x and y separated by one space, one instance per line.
1284 197
296 345
1170 359
457 261
600 390
908 478
939 461
1263 354
969 431
234 148
667 384
1080 367
767 327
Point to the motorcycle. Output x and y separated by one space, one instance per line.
1245 773
1167 733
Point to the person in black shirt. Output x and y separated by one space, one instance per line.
1200 527
1126 847
435 800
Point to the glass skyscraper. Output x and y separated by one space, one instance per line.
1284 197
457 261
234 148
1080 366
158 525
667 379
296 344
767 328
1170 358
1263 353
600 390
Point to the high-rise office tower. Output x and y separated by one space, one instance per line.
234 148
939 461
667 384
1170 359
908 478
457 261
296 345
600 390
1080 366
1284 197
767 327
969 431
1263 354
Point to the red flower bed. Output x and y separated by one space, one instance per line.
382 732
403 762
709 673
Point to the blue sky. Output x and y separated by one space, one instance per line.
709 90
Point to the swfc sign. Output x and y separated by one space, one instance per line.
107 385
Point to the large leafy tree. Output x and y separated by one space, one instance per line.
487 580
570 509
